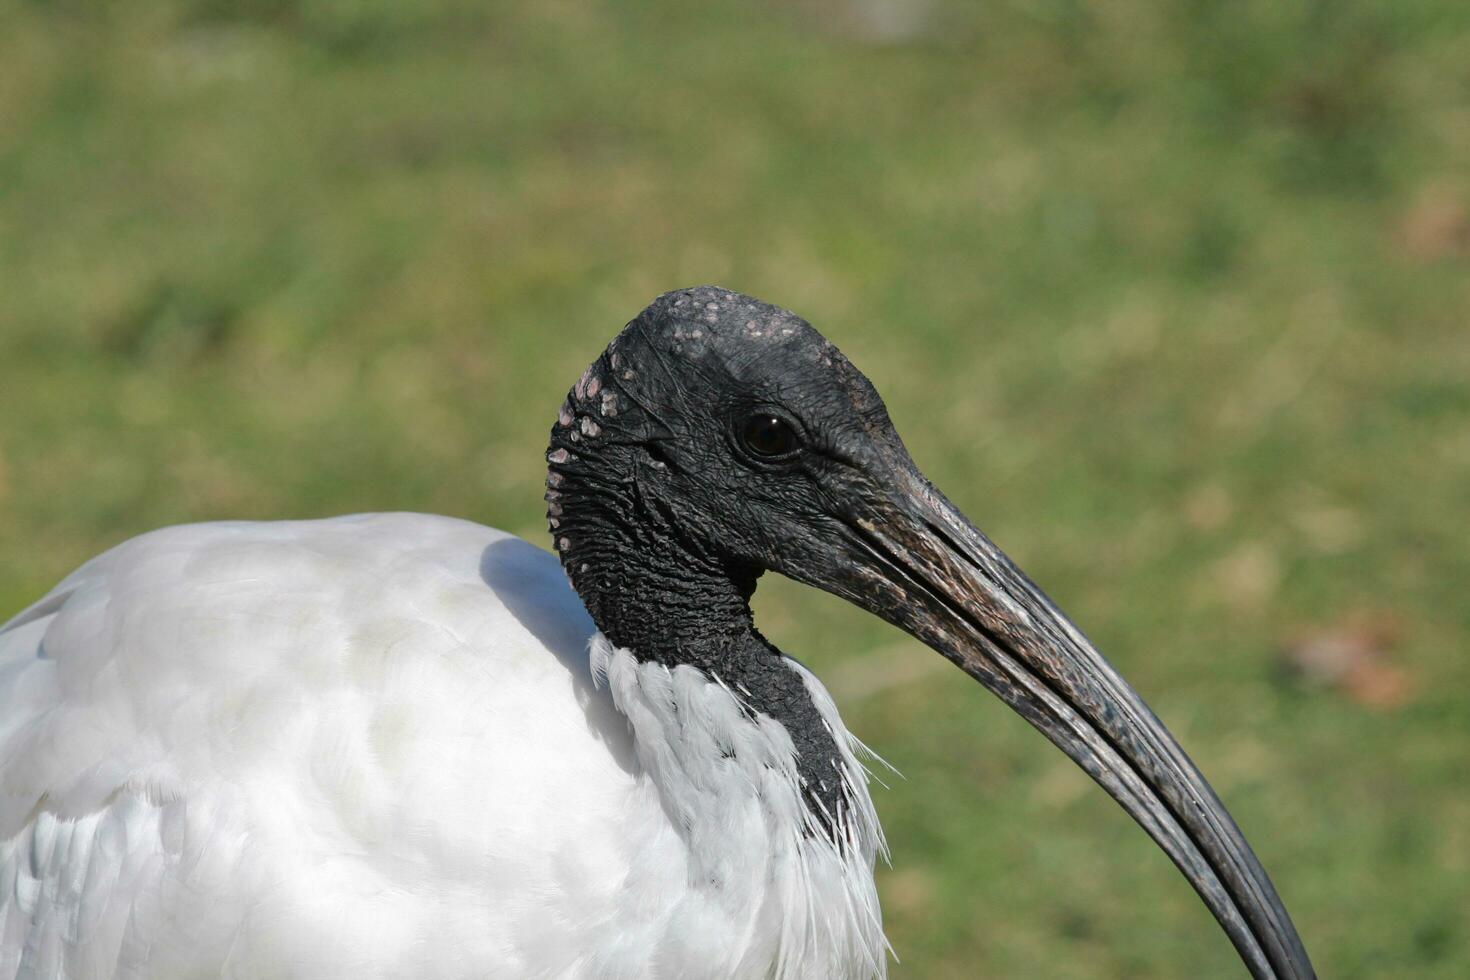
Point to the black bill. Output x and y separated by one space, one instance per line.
916 561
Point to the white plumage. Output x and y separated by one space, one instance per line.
375 746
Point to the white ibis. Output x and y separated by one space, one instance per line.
397 745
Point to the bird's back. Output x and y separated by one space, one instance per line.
366 746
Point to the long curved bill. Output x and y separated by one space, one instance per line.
918 563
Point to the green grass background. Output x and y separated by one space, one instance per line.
1172 298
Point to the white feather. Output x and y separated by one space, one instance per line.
374 747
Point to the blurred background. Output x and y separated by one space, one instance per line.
1172 298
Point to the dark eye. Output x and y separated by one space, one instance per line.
768 435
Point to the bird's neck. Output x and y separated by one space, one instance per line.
655 593
795 872
741 743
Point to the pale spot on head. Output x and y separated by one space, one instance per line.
564 417
564 544
609 403
558 456
594 386
590 429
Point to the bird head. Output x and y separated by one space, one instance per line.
731 434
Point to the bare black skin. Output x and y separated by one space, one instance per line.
667 503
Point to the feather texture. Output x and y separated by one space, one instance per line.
374 746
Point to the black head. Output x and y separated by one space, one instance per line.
719 437
739 434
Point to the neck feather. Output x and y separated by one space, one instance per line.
730 779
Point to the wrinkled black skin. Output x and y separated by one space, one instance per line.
664 520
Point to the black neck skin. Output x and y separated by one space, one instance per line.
658 595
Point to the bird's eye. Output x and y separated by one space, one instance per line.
769 436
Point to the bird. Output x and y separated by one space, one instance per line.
403 745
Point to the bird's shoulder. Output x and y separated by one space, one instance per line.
179 635
351 570
208 705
